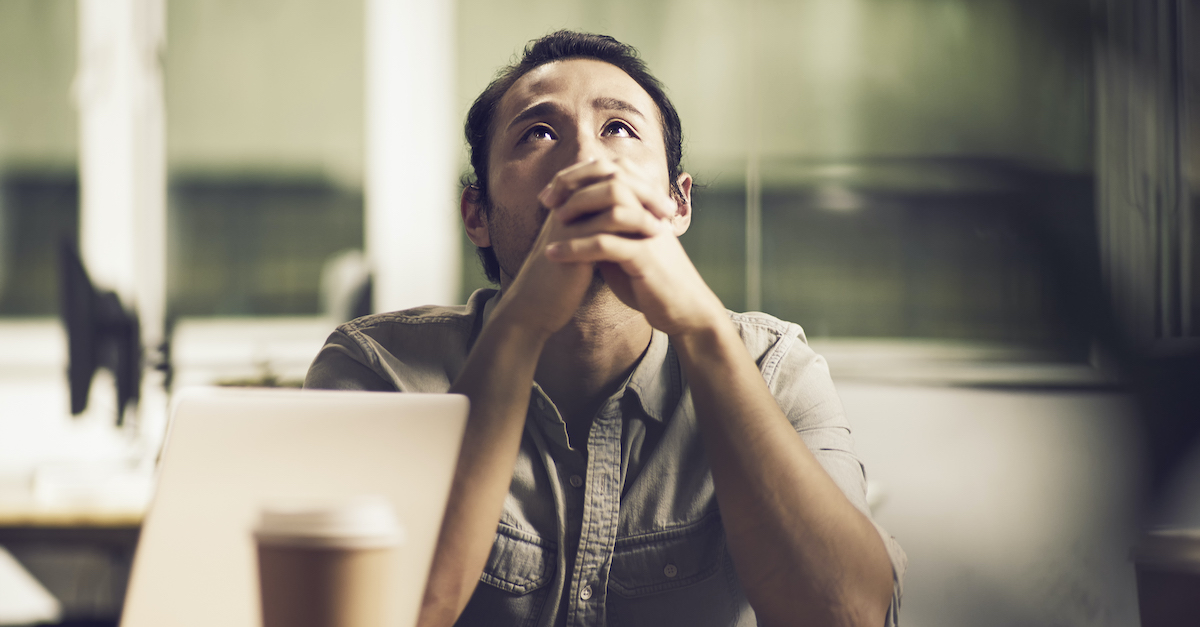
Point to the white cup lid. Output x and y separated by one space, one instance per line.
358 522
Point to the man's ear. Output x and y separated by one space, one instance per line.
471 206
683 211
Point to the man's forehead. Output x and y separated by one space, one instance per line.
599 82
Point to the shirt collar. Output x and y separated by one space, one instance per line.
657 380
492 296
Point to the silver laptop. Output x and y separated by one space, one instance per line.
229 450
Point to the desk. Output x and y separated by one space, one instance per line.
15 514
81 555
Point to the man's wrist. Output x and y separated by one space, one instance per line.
707 339
518 325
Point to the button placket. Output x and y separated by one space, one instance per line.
598 533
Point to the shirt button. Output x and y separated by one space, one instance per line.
670 570
586 593
540 403
576 481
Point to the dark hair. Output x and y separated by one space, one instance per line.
559 46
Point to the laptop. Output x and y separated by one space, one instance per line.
228 451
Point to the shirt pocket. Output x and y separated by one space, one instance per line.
682 576
513 587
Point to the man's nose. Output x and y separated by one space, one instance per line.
584 147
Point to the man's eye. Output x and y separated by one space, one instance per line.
618 129
538 133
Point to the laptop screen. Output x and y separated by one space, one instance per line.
230 451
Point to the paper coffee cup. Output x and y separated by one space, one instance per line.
326 564
1168 577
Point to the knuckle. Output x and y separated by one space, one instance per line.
612 193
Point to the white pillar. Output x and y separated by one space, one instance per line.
122 164
412 225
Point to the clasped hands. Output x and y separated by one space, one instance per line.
603 214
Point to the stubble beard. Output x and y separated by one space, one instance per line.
598 292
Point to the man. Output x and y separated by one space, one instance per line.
635 453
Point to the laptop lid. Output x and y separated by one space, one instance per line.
228 451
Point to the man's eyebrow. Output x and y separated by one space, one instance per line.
541 109
616 104
546 108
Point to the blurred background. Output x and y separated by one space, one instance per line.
984 214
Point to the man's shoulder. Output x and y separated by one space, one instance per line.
413 350
426 334
777 346
451 318
764 330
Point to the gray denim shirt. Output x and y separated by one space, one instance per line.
628 532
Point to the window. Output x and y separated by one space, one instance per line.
39 196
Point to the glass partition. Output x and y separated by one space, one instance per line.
39 189
916 169
265 152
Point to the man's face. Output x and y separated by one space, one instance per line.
557 115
